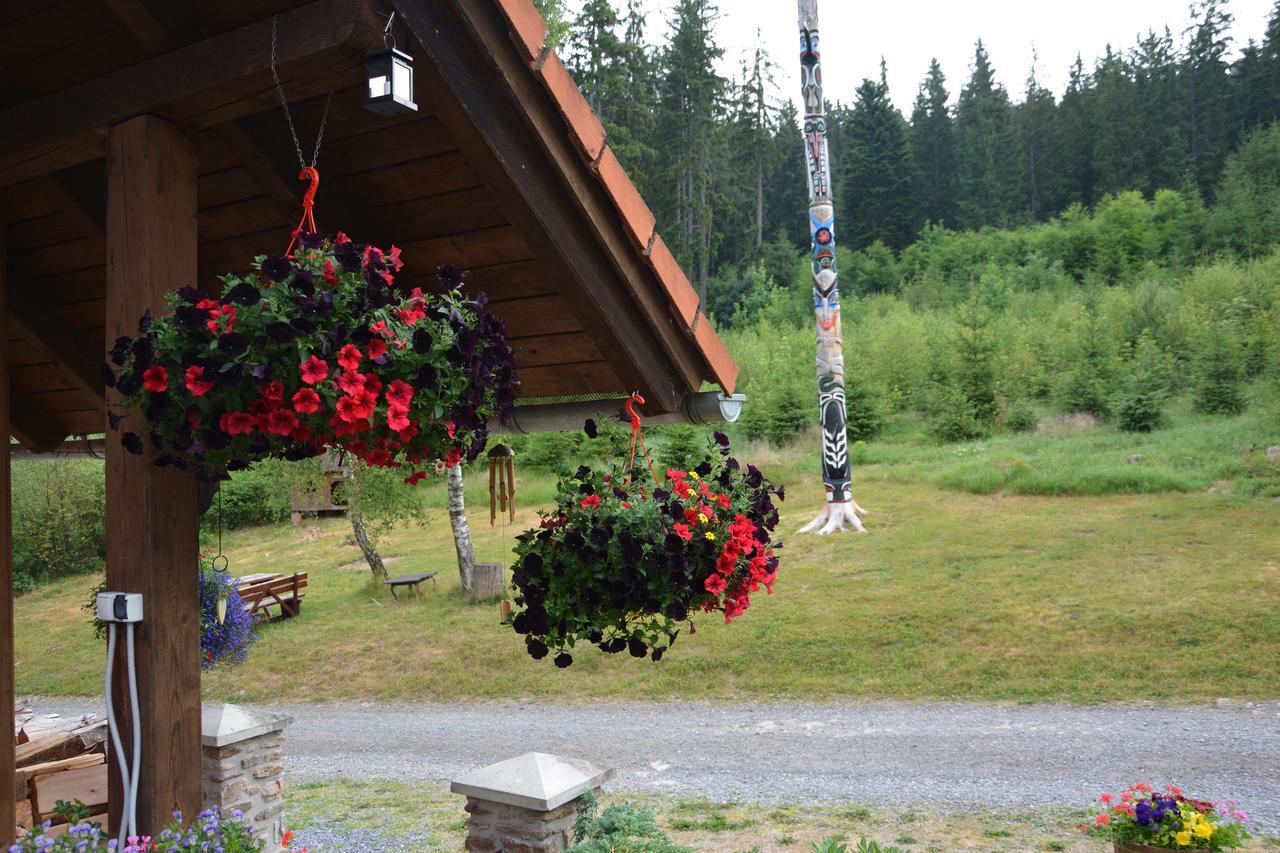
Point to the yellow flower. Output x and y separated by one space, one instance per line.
1183 838
693 475
1203 830
702 518
710 535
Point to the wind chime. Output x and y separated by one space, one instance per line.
502 498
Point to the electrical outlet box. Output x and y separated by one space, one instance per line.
120 606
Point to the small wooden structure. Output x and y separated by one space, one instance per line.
324 499
412 581
142 148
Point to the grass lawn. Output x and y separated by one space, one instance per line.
1169 596
424 817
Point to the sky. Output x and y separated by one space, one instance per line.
907 33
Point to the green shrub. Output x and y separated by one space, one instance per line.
863 418
1083 389
683 446
553 451
252 498
954 416
1219 377
59 518
1021 418
1140 407
23 583
622 829
788 413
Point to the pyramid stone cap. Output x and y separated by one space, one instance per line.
222 725
535 780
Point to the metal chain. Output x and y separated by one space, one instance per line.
284 105
226 562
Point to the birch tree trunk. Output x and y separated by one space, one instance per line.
461 532
840 508
360 529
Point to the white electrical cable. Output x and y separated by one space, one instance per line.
114 728
137 735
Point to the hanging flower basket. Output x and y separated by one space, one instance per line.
621 561
226 631
316 349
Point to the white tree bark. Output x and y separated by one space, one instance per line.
840 509
461 532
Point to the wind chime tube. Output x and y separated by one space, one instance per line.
511 488
493 495
840 508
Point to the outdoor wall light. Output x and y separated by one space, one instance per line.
390 74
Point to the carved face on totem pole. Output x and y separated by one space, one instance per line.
816 158
811 72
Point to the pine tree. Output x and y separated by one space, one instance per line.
1219 376
988 149
933 144
1140 407
594 53
1162 154
1206 89
1077 138
557 20
785 183
687 136
1040 136
630 123
1117 149
879 172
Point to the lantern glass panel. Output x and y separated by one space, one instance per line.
401 80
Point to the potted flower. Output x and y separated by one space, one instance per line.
226 628
315 349
621 562
1141 819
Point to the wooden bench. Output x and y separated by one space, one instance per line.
260 593
414 582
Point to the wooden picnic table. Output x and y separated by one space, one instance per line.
413 581
257 578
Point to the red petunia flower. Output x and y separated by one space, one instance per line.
352 382
723 500
376 348
273 391
340 239
715 584
590 501
380 328
236 423
155 379
196 383
393 258
349 409
281 422
314 370
454 457
673 474
349 357
400 392
329 274
415 478
306 402
397 417
681 530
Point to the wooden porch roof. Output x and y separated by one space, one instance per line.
503 171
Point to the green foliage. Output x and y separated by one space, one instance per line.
683 446
788 412
863 417
252 497
954 416
623 829
1246 218
835 844
1021 418
1141 404
59 519
1219 379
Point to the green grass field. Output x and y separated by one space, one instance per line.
965 588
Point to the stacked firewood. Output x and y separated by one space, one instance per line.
59 759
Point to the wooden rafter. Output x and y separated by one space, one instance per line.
486 122
159 25
69 352
31 425
68 127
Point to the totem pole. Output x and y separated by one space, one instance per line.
840 509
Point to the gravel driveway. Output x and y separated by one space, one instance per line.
1002 756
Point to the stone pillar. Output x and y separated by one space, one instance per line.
526 804
243 767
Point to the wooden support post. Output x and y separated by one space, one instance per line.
152 537
8 796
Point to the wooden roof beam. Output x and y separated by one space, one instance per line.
159 25
62 346
68 127
35 428
477 110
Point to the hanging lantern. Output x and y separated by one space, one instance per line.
502 482
390 74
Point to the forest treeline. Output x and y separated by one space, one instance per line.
719 158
